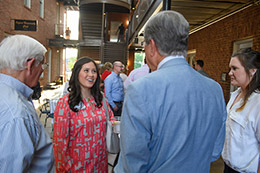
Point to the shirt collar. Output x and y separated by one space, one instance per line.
115 73
168 58
16 84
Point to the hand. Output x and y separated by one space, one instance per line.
115 108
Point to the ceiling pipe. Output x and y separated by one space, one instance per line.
122 3
166 4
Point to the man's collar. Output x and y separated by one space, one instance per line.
16 84
168 58
115 73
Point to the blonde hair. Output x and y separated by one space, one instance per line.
108 66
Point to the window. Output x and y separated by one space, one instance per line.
27 3
139 59
191 57
42 8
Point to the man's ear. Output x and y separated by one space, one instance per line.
252 71
30 65
155 52
154 48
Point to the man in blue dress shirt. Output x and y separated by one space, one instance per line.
24 144
114 88
173 118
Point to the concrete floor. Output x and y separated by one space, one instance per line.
216 167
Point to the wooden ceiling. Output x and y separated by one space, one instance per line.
200 13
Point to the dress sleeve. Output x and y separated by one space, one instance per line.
61 136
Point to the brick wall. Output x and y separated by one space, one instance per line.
15 9
214 44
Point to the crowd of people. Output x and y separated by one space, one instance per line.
173 117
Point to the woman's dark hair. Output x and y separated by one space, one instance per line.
250 59
74 85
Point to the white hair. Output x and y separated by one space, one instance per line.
16 50
170 32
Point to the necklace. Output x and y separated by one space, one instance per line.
91 105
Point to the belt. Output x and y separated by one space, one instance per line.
118 102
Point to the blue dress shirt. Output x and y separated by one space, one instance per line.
114 89
24 144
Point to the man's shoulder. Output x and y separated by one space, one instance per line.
147 82
142 68
12 103
64 99
13 100
109 77
8 95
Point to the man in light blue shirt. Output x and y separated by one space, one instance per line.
114 88
24 144
173 118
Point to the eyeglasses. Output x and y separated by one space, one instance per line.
44 66
120 66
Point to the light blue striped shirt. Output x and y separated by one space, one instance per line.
24 144
114 89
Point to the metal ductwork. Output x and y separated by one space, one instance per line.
122 3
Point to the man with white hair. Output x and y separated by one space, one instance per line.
25 146
173 118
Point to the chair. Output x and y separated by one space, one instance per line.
50 115
45 108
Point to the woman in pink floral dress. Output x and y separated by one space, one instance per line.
80 123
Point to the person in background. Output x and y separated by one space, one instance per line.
114 89
37 91
65 88
123 75
108 69
80 123
67 33
199 67
101 69
120 31
137 74
25 146
242 145
174 118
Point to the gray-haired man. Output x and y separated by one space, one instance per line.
25 146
